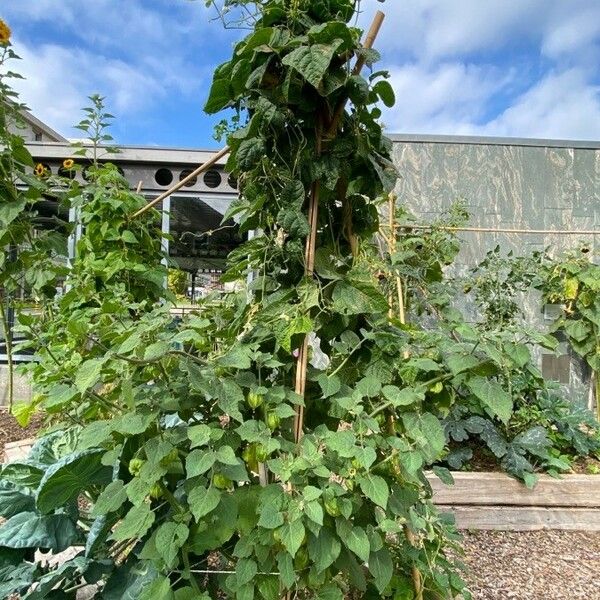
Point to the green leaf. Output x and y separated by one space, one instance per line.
159 589
128 581
382 568
32 530
197 462
358 298
402 397
369 386
330 592
135 524
111 498
231 398
311 62
324 549
249 153
292 535
534 441
199 435
69 477
23 474
386 92
270 517
354 538
293 222
170 537
245 571
203 501
14 500
330 384
493 396
375 488
88 373
314 511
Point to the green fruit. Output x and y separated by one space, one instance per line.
249 456
156 491
261 453
221 482
301 560
254 400
135 466
273 421
171 457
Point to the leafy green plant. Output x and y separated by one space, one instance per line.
33 247
573 281
191 477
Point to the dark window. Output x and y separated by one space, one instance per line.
212 179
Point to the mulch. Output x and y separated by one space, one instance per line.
11 431
533 565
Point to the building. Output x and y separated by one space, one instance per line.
516 184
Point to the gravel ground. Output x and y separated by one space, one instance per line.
536 565
11 431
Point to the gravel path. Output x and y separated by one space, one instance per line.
536 565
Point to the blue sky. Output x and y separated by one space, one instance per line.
524 68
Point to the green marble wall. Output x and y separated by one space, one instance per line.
520 184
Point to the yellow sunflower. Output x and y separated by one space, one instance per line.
68 163
4 33
40 170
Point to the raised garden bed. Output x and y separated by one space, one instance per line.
497 501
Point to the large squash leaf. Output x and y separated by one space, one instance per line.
70 476
32 530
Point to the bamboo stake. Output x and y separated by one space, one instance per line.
207 165
360 63
311 241
499 230
410 536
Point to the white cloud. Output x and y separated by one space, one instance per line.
561 105
516 67
449 96
59 79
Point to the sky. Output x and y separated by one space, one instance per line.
518 68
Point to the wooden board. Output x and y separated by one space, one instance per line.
498 489
519 518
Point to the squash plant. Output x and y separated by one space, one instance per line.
175 465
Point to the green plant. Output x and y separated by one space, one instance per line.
573 281
498 284
195 487
33 247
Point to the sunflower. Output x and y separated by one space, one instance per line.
40 170
4 33
68 163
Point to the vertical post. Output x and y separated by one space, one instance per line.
166 228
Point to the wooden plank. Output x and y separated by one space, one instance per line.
14 451
517 518
494 489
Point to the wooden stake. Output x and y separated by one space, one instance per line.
207 165
391 239
360 63
311 241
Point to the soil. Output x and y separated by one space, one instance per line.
11 431
533 565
